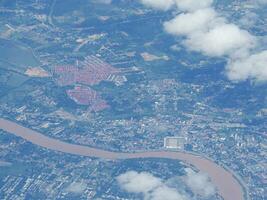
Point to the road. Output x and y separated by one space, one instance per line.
226 183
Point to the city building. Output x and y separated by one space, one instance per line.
175 143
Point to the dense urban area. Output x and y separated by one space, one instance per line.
95 79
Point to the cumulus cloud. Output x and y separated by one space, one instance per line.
199 183
76 187
165 193
261 1
252 67
158 4
249 19
192 5
189 23
204 30
221 40
138 182
151 187
103 1
185 5
208 33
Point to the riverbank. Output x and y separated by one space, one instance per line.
226 183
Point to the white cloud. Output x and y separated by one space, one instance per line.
189 23
261 1
184 5
204 30
207 32
223 39
199 183
166 193
76 187
138 182
103 1
192 5
158 4
253 67
249 19
151 187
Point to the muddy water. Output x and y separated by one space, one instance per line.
227 185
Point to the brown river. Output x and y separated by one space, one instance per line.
225 182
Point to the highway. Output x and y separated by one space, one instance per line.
226 183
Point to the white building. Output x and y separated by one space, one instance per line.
175 143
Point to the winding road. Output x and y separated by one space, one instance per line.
226 183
